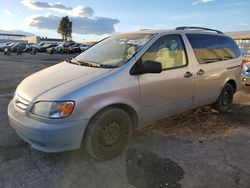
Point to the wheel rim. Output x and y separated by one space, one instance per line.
225 98
110 134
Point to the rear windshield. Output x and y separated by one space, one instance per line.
213 48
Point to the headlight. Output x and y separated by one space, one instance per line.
53 109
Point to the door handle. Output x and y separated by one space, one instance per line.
200 72
188 74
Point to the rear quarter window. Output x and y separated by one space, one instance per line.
213 48
231 49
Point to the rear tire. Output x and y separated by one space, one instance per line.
108 133
225 100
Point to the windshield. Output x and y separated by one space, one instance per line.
114 51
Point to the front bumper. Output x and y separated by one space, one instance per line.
56 137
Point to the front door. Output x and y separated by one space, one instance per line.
169 92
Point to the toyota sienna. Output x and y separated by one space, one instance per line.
123 83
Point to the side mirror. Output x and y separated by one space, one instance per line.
147 67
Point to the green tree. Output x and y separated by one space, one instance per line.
65 28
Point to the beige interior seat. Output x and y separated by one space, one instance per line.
164 58
180 58
130 52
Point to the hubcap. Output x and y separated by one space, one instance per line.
225 98
110 133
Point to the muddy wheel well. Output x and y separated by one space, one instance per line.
132 113
233 83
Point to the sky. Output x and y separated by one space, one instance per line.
96 19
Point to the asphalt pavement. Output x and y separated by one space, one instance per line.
197 149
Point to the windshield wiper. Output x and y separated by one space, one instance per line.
107 66
73 62
91 64
86 63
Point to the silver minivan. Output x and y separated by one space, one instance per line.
122 83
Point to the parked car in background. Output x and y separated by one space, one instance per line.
65 48
75 48
51 49
6 45
20 47
245 72
122 83
34 48
59 49
47 46
2 45
7 48
42 43
84 47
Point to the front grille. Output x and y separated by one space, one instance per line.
21 103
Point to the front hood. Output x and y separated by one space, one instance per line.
50 78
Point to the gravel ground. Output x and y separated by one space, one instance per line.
199 148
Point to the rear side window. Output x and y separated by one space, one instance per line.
231 49
213 48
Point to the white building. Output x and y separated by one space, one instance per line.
15 37
8 37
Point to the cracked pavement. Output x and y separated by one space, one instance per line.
199 148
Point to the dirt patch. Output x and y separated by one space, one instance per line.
201 123
243 97
147 170
205 123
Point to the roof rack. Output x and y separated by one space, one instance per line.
199 28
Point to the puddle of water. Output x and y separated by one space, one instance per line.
147 170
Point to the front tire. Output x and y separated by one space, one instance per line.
108 133
225 100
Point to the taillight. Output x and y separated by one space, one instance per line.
244 61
